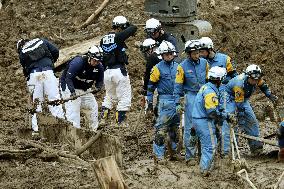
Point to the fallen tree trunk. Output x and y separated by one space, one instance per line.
108 174
66 53
53 152
266 141
94 15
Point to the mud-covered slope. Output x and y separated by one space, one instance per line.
249 31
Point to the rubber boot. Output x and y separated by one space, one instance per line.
104 115
281 155
121 119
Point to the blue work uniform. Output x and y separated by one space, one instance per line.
206 104
190 77
163 78
239 91
224 61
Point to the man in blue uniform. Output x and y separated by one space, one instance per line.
191 75
222 60
204 116
37 57
78 78
116 80
163 78
240 90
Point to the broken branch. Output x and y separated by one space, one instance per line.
94 15
88 144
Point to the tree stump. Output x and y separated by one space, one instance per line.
56 130
108 174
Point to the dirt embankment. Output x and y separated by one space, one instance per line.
249 31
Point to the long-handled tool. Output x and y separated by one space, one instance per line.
270 142
246 178
61 101
238 163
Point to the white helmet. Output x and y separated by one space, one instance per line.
148 44
217 73
206 43
191 45
120 22
166 47
95 52
152 25
254 71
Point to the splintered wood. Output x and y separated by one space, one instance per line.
108 174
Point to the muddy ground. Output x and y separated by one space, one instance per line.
249 31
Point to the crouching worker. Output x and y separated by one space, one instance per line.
240 89
78 78
163 78
205 113
37 57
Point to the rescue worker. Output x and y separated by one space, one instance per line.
116 80
191 75
222 60
163 78
37 57
78 78
149 49
204 115
240 90
154 30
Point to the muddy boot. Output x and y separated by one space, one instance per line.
256 152
191 162
121 119
104 115
205 173
160 161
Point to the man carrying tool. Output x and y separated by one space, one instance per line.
117 82
191 75
37 57
204 116
163 78
222 60
77 79
150 53
240 90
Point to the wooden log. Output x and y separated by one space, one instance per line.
270 142
108 174
66 53
94 15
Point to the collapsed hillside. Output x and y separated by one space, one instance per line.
249 31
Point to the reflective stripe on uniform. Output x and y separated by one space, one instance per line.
155 74
180 75
211 101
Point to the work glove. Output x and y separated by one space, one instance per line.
179 108
72 95
241 112
96 90
273 98
232 118
149 107
193 137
